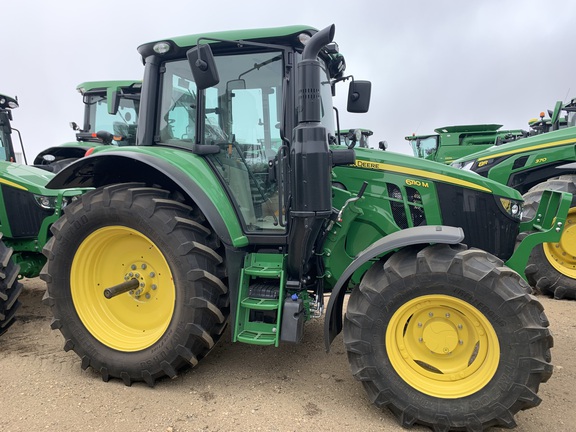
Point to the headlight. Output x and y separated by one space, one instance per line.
467 165
513 208
45 202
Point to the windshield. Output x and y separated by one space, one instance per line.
424 147
123 123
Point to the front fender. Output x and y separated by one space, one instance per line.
172 169
410 236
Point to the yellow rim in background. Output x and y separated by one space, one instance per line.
442 346
562 255
131 321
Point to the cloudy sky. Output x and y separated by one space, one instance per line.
431 63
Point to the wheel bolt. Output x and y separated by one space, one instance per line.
152 274
430 314
420 340
461 342
133 266
147 295
460 326
419 324
154 286
447 315
137 275
131 274
143 266
142 284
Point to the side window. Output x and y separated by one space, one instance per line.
177 122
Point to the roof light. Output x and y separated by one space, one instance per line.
304 38
12 104
161 47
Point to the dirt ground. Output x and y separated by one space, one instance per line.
236 388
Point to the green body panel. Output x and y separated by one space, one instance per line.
454 142
370 218
197 169
541 151
27 182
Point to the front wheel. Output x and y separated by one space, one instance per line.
551 267
176 306
448 338
10 288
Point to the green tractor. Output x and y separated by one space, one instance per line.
110 118
532 165
27 210
453 142
237 205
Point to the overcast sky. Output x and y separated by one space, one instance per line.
431 63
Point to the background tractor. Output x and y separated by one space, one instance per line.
27 210
110 117
452 142
532 165
236 205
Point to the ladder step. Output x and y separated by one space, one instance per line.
257 338
263 272
259 304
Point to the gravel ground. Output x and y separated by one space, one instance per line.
236 388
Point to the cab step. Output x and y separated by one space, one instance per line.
260 300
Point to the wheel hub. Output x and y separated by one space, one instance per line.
562 255
440 337
146 276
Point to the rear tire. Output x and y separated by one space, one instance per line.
551 268
10 288
448 338
176 314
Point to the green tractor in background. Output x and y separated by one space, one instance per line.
27 210
452 142
110 118
531 165
237 205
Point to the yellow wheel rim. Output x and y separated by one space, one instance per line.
442 346
134 320
562 255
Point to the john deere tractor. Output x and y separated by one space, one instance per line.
452 142
236 205
532 165
110 118
27 210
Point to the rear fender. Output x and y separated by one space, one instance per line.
407 237
187 174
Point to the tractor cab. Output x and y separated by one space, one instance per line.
110 118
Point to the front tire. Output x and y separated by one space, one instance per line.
551 268
448 338
10 288
180 307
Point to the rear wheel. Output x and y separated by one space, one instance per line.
552 266
10 288
449 338
178 307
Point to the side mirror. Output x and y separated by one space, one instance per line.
237 84
359 96
74 126
113 97
203 66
